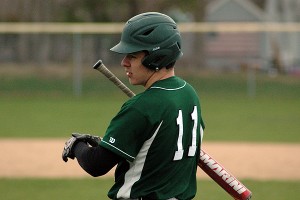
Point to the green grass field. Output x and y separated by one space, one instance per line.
79 189
45 108
35 107
226 119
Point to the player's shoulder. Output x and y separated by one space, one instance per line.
159 91
136 101
142 101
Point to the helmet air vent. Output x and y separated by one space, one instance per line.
148 32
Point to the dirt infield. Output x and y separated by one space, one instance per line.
42 158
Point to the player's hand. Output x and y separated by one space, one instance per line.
87 138
68 151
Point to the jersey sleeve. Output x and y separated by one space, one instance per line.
126 133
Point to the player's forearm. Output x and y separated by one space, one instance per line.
96 161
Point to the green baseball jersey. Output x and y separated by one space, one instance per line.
158 133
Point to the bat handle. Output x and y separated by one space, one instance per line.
98 64
106 72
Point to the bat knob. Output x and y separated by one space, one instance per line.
98 63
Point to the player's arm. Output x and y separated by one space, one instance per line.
96 161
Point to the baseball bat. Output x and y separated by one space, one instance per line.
208 164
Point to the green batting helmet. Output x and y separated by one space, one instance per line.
155 33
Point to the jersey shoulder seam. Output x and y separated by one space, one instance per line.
169 89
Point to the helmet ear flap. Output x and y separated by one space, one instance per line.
155 60
162 57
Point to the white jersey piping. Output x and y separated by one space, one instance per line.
118 149
169 89
136 167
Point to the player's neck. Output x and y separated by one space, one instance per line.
160 75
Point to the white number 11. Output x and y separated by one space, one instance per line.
192 150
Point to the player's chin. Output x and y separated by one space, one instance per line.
132 81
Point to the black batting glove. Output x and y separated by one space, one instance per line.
68 151
87 138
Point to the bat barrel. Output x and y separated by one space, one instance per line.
223 178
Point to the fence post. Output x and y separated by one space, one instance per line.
77 65
251 81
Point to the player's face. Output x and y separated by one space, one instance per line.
137 73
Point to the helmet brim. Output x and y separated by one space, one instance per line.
124 48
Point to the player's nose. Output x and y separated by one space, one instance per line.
125 62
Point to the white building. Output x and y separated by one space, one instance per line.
260 49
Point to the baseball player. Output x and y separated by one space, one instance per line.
156 136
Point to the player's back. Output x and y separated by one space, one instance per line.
172 109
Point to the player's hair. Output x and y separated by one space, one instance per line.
155 33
